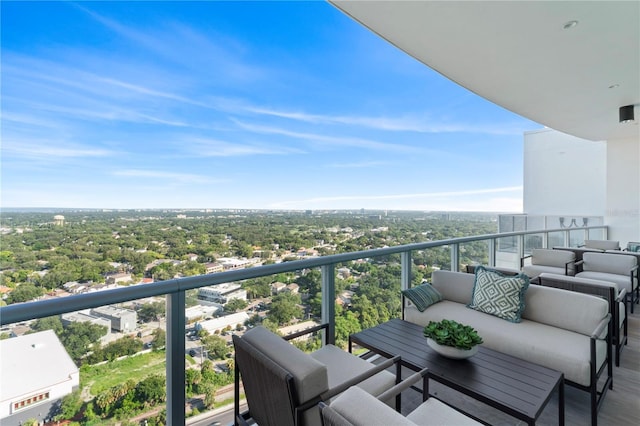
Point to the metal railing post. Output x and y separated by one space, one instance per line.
521 246
455 257
492 252
405 274
175 367
329 301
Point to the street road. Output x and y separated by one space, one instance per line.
224 417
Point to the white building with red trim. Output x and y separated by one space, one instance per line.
35 370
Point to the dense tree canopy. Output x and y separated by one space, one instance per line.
38 257
284 308
216 346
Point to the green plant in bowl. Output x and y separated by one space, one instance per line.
452 333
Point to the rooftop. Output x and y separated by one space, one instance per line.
33 362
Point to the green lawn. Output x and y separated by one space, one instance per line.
101 377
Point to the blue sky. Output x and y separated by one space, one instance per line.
270 105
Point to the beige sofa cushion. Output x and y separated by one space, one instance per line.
550 261
362 409
454 286
548 257
608 263
564 309
599 285
602 244
343 366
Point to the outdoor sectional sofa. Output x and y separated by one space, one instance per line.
559 329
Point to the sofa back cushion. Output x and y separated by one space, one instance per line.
548 257
608 263
564 309
602 244
453 286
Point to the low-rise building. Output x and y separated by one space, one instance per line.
305 325
200 312
344 298
19 330
344 272
221 294
75 287
277 287
118 278
230 263
35 372
123 320
220 324
213 267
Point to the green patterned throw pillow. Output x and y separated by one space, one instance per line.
497 294
423 296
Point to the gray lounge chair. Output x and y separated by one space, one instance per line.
617 268
550 261
358 408
283 385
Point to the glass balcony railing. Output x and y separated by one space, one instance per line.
187 349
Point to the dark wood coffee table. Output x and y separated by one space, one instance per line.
515 386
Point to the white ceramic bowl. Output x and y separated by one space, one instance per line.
450 351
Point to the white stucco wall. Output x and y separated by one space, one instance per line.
564 175
623 190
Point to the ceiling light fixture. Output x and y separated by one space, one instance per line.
626 114
569 25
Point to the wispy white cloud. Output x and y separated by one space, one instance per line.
420 124
183 45
101 111
209 147
50 149
151 92
358 165
28 120
157 174
331 140
77 93
140 37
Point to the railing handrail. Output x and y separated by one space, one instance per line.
43 308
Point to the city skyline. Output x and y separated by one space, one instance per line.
247 105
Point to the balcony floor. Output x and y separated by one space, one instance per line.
620 407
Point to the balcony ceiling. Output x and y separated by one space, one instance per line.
518 55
